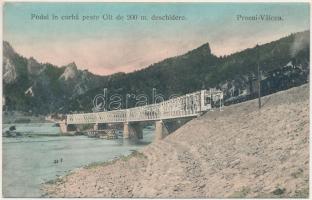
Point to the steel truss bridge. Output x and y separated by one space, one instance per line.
188 105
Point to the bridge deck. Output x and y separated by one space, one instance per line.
184 106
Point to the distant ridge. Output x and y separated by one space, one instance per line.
68 89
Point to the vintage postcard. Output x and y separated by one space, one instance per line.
155 99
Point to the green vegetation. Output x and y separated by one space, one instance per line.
54 181
298 173
304 193
199 69
97 164
241 194
279 191
134 153
22 120
59 179
195 70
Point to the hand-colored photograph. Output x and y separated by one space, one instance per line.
155 100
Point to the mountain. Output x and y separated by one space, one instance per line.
284 63
41 88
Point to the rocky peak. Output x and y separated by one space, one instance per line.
205 47
33 67
71 71
8 51
9 71
72 65
203 50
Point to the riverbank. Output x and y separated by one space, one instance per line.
240 152
17 117
53 156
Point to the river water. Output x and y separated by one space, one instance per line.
28 161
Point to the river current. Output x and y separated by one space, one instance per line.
30 160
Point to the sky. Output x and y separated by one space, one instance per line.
109 46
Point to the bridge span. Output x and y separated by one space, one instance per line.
189 105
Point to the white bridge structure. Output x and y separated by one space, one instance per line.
189 105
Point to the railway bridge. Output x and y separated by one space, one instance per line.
186 106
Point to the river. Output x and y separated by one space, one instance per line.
28 160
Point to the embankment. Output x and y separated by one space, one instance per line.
240 152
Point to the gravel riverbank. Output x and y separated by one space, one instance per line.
240 152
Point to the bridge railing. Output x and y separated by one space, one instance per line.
184 106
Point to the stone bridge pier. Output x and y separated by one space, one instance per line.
132 130
99 126
161 130
63 127
164 114
67 128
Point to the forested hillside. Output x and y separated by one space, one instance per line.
43 88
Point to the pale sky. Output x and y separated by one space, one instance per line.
105 47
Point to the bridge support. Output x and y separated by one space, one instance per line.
67 129
160 130
132 131
99 126
63 127
96 127
126 132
